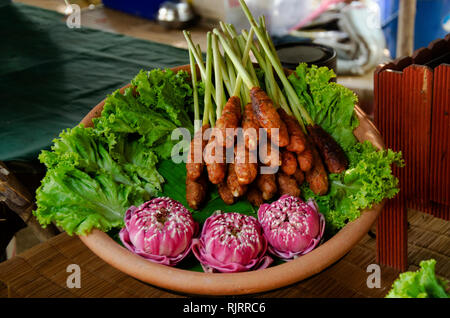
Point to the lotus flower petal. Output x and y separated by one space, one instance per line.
160 230
291 226
231 242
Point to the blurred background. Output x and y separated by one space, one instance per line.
352 37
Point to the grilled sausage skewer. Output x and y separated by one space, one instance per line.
268 117
330 150
266 183
229 121
288 162
332 154
245 165
297 138
236 188
225 193
250 127
195 163
287 185
254 196
196 191
317 176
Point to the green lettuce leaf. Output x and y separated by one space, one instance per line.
79 202
123 113
422 283
329 104
166 92
367 181
95 174
85 187
369 178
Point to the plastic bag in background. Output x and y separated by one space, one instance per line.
281 15
285 14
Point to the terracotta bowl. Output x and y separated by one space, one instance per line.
251 282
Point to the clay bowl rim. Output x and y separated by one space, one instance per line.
252 282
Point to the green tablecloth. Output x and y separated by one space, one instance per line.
51 75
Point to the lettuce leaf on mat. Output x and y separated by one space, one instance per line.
422 283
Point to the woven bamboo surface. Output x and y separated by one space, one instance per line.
41 270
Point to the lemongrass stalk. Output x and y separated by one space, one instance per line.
208 84
194 49
218 83
269 80
199 51
245 58
272 47
229 37
225 77
262 23
292 96
256 53
274 88
245 96
236 61
194 92
231 30
199 59
231 72
248 63
279 93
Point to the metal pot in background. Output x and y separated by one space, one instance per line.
291 54
176 15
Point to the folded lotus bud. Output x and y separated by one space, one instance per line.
291 226
231 242
160 230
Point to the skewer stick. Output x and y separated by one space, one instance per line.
194 92
231 72
218 83
236 61
246 52
208 84
199 59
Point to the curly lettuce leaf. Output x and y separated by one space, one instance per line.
367 181
85 187
330 105
422 283
95 174
79 202
165 92
123 113
369 178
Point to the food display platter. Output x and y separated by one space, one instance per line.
191 282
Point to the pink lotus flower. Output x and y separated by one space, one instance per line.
291 226
160 230
231 242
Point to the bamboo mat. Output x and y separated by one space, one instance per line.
41 270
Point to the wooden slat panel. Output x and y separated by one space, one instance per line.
440 141
391 225
416 104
